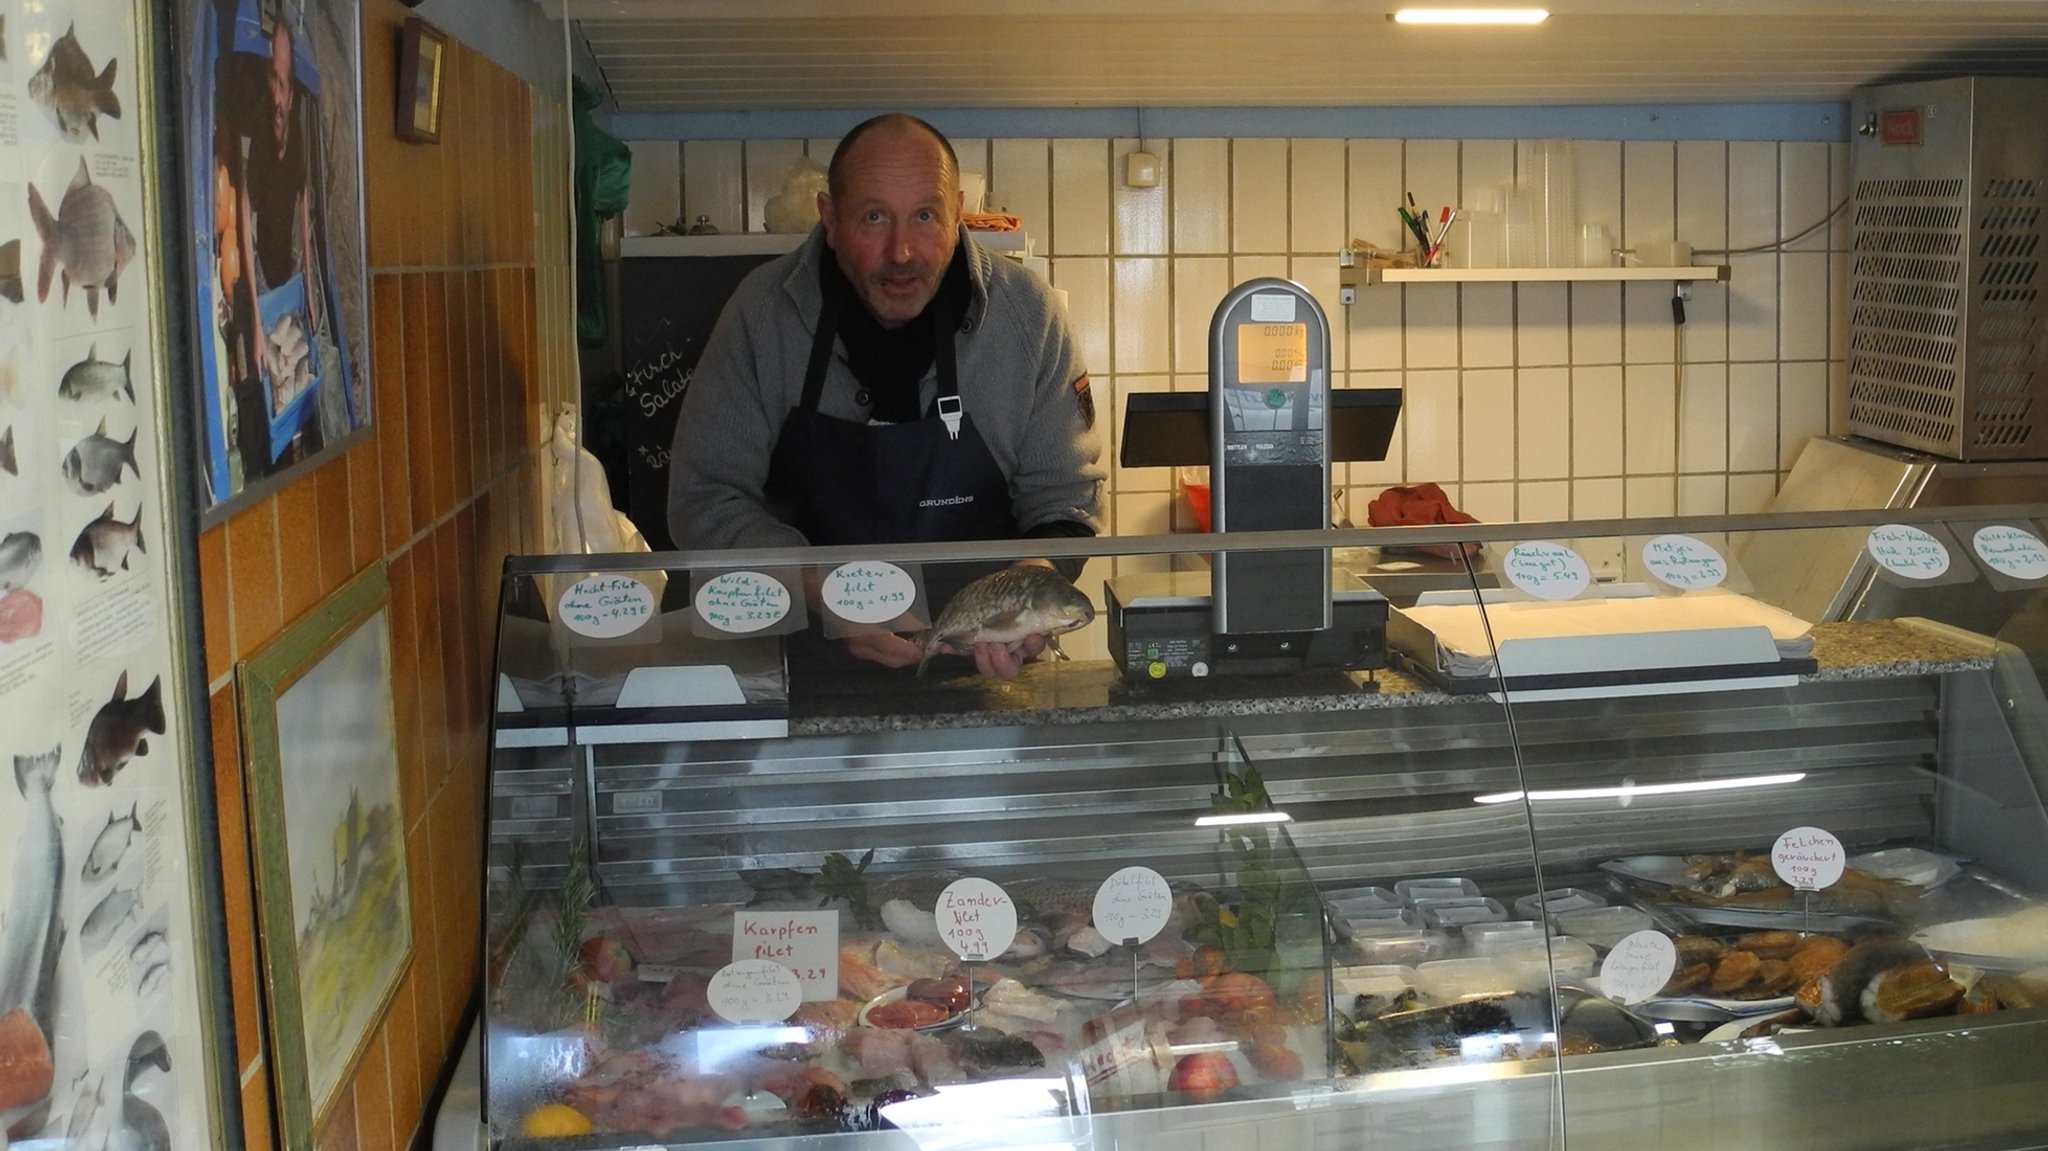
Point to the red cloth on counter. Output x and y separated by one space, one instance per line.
1417 505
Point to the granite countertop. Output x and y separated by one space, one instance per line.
843 702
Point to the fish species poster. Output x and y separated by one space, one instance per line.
103 1037
274 173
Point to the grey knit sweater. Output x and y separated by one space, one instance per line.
1018 366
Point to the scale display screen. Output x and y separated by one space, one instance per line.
1272 353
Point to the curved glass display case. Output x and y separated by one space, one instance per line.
1561 835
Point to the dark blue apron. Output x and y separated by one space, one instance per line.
928 480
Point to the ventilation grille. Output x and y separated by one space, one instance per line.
1946 323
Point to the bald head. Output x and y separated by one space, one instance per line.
891 213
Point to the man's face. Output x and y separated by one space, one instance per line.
895 224
280 87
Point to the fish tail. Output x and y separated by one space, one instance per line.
928 646
153 699
148 1050
128 457
7 462
36 770
46 228
128 375
104 99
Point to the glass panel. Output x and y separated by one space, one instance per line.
1820 841
1236 880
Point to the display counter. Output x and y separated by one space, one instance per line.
1660 865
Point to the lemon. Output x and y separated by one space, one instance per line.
553 1120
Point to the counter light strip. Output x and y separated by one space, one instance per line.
1634 789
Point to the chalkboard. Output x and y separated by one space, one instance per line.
668 305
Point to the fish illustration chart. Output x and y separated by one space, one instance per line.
71 92
84 240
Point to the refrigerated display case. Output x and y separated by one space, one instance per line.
1603 850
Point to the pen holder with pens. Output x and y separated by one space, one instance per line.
1429 249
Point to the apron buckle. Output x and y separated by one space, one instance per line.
949 411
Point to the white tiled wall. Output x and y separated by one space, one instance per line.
1524 401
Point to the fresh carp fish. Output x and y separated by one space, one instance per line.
1004 607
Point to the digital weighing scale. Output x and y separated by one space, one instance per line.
1268 431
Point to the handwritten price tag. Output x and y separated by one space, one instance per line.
1684 562
2011 551
1134 903
1546 570
869 592
805 942
1808 858
754 991
1905 550
1638 967
742 602
605 606
976 918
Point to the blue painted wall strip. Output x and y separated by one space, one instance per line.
1820 121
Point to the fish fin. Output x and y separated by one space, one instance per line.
103 98
128 454
142 747
153 713
46 228
134 807
82 180
101 431
92 301
121 686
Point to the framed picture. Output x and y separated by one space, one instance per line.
421 47
329 843
274 172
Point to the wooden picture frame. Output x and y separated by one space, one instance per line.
328 833
422 54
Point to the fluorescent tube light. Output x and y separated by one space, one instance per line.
1242 818
1629 790
1471 16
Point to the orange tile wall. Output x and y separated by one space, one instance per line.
442 490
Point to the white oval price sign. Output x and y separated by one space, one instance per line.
1546 570
976 918
742 602
2011 551
605 606
1684 562
754 991
1638 967
1905 550
869 592
1134 903
1808 858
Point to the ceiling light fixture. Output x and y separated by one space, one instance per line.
1471 16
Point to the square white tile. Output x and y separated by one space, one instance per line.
1143 329
1803 182
1543 423
1596 323
1489 424
1646 328
714 183
1705 495
1597 499
1649 495
1753 307
1548 501
1596 422
1430 411
1492 503
1085 279
1258 196
1751 492
1020 183
1374 327
1200 193
1802 409
1702 190
1080 198
1543 331
1486 327
1803 306
1752 419
1703 418
1375 187
1199 284
1430 323
1752 193
1138 214
1651 420
1316 194
655 194
1649 208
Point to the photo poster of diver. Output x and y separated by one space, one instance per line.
273 113
111 1034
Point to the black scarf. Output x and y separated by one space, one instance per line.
890 362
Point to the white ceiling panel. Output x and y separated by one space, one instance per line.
755 55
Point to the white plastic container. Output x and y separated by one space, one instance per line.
1603 927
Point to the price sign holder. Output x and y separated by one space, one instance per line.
1808 859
